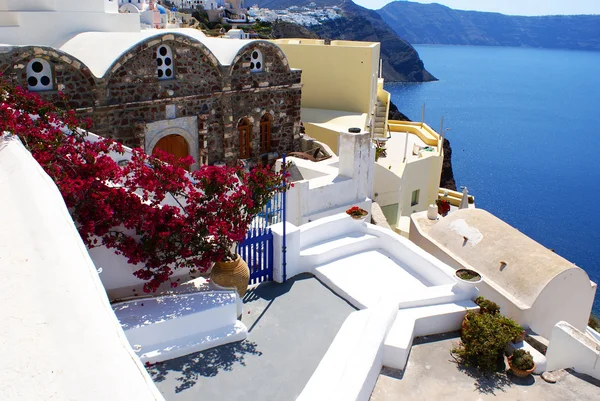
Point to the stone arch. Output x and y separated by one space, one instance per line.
273 58
156 131
155 42
70 75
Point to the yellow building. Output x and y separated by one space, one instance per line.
342 87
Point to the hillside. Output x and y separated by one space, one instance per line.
436 24
400 60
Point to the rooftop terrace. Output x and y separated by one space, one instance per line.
432 374
290 328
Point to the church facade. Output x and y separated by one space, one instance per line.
217 100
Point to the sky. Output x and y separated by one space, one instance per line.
512 7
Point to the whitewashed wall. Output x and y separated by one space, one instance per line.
52 23
63 341
333 188
570 348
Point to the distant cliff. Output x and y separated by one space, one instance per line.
400 60
436 24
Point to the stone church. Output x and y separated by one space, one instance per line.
217 100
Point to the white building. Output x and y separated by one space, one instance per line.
22 20
206 4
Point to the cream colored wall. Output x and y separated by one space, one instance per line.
386 189
335 77
324 135
422 174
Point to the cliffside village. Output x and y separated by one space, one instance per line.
147 82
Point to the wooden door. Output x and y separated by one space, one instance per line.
175 145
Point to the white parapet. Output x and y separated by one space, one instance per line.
349 369
171 326
59 338
570 348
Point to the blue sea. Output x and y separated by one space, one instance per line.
525 134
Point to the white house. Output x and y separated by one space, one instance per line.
22 20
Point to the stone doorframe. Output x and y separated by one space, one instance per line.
187 127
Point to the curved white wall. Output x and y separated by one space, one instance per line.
61 339
568 297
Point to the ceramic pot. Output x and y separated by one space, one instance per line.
234 274
519 372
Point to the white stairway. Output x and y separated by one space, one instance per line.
421 321
171 326
325 251
380 130
349 369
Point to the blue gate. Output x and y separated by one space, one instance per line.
257 248
257 251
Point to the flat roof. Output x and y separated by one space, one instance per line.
336 120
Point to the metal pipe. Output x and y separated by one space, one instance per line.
283 248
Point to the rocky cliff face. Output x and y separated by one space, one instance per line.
436 24
401 62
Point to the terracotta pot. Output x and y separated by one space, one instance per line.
518 372
234 274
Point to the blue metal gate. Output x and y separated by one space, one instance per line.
257 251
257 248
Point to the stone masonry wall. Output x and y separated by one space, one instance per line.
130 95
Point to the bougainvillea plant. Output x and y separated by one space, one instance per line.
149 209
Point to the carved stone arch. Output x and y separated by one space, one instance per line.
272 56
155 42
70 75
186 127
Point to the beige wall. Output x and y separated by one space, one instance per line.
424 175
340 76
324 135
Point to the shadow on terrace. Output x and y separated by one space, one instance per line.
291 326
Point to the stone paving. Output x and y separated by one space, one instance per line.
291 327
432 374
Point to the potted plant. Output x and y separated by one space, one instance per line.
521 363
230 270
380 150
487 306
357 213
483 340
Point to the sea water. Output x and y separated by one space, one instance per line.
524 125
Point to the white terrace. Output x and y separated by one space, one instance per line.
64 341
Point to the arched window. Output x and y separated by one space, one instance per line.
245 140
265 133
164 63
39 75
256 61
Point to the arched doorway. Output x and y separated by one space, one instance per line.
173 144
244 130
265 133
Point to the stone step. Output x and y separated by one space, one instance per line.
326 251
